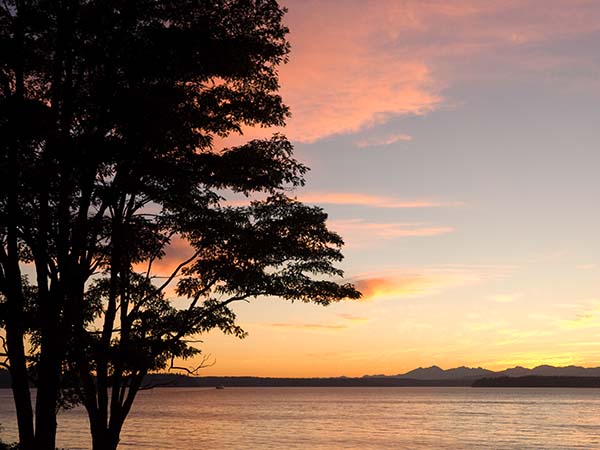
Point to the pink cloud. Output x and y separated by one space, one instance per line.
392 230
358 64
358 199
408 285
176 252
424 281
338 81
373 201
385 140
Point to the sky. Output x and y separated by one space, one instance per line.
454 146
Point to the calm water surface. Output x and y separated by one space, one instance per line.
346 418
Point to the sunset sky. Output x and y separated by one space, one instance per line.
455 146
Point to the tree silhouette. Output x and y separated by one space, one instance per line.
110 113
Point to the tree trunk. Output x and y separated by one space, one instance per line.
20 387
15 327
16 347
49 368
46 402
103 439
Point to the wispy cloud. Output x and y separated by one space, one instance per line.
384 140
372 201
347 320
341 86
358 199
426 281
360 229
584 314
414 283
511 336
584 319
308 326
353 318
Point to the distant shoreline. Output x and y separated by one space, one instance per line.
178 380
167 380
526 381
539 381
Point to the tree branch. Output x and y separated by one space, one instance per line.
4 354
153 258
174 274
194 370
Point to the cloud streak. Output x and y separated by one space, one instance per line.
384 140
347 320
587 318
372 201
358 228
413 283
353 318
424 281
308 326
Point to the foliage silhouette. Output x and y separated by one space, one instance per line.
111 116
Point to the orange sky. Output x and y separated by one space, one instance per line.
454 144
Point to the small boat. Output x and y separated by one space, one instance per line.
220 386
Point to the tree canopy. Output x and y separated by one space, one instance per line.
111 114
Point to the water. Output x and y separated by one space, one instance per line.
346 418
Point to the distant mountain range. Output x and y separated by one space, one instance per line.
437 373
545 376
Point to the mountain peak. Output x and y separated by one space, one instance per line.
437 373
463 372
